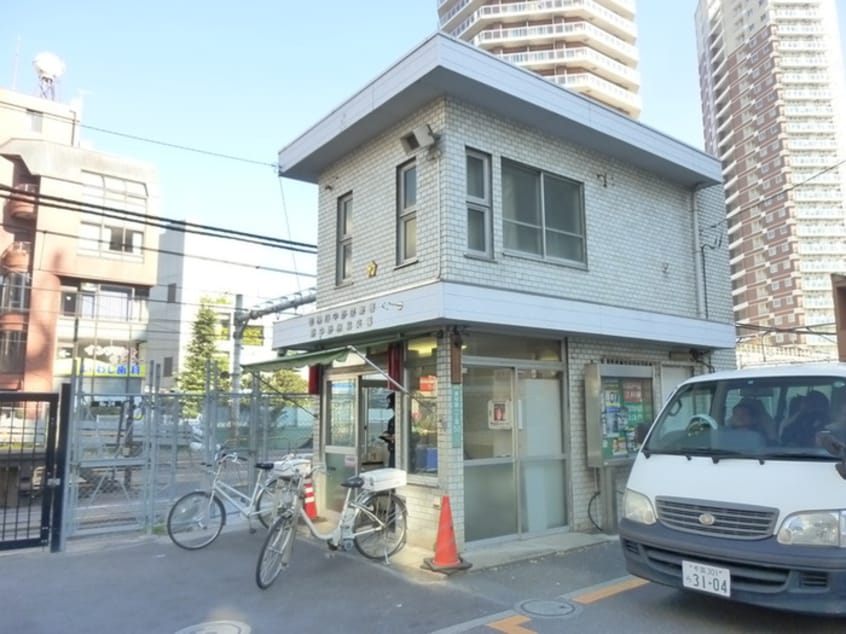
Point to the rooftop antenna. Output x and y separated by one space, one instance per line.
49 68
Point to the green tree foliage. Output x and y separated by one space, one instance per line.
201 349
286 381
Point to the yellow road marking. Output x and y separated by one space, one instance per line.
512 625
610 591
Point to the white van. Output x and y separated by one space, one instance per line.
737 490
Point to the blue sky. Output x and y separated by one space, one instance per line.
245 78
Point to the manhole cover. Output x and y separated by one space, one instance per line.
546 608
217 627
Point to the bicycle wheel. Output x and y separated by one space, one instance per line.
379 531
276 551
275 490
195 520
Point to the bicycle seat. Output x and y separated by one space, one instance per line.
267 466
353 482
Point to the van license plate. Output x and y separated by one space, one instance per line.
706 578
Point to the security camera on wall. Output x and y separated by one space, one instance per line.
420 137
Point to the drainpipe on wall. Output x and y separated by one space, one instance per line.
698 264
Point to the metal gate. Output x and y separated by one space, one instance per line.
28 468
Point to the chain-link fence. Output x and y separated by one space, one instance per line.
131 455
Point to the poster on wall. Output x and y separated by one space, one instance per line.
626 402
499 414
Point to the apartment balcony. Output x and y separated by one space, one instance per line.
626 8
605 20
16 257
803 61
22 201
582 33
580 58
455 14
601 90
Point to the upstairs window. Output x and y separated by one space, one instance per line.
543 214
110 239
343 266
110 236
12 351
15 291
89 300
407 213
479 223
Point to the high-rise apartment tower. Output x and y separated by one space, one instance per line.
585 45
772 89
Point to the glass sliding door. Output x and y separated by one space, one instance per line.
540 451
357 414
340 438
376 413
490 492
514 466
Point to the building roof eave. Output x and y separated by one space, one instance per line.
444 66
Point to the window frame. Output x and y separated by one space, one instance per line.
483 205
343 255
541 177
406 213
100 238
13 351
114 194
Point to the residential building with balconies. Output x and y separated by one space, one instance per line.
772 90
588 46
77 255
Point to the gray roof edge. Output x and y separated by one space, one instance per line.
451 54
337 115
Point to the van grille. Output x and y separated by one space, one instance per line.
714 518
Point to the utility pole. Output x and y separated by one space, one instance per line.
237 339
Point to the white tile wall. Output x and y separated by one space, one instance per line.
642 253
640 232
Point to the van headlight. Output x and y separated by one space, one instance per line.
814 528
638 508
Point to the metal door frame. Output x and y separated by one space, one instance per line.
28 525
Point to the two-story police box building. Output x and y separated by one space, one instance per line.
528 271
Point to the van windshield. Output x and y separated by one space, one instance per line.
762 417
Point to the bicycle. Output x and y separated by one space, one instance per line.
197 518
374 522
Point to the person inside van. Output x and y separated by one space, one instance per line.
800 430
748 414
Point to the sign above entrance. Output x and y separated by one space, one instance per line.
351 319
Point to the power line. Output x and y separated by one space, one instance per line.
797 330
777 194
59 202
248 265
175 146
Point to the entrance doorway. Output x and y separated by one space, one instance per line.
357 415
514 469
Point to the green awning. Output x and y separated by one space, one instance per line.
318 357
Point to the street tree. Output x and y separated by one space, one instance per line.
202 354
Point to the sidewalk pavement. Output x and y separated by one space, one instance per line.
493 555
480 556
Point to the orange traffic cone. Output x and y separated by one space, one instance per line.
309 505
446 557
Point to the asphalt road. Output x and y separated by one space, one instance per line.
147 585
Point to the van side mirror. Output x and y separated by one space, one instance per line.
641 430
